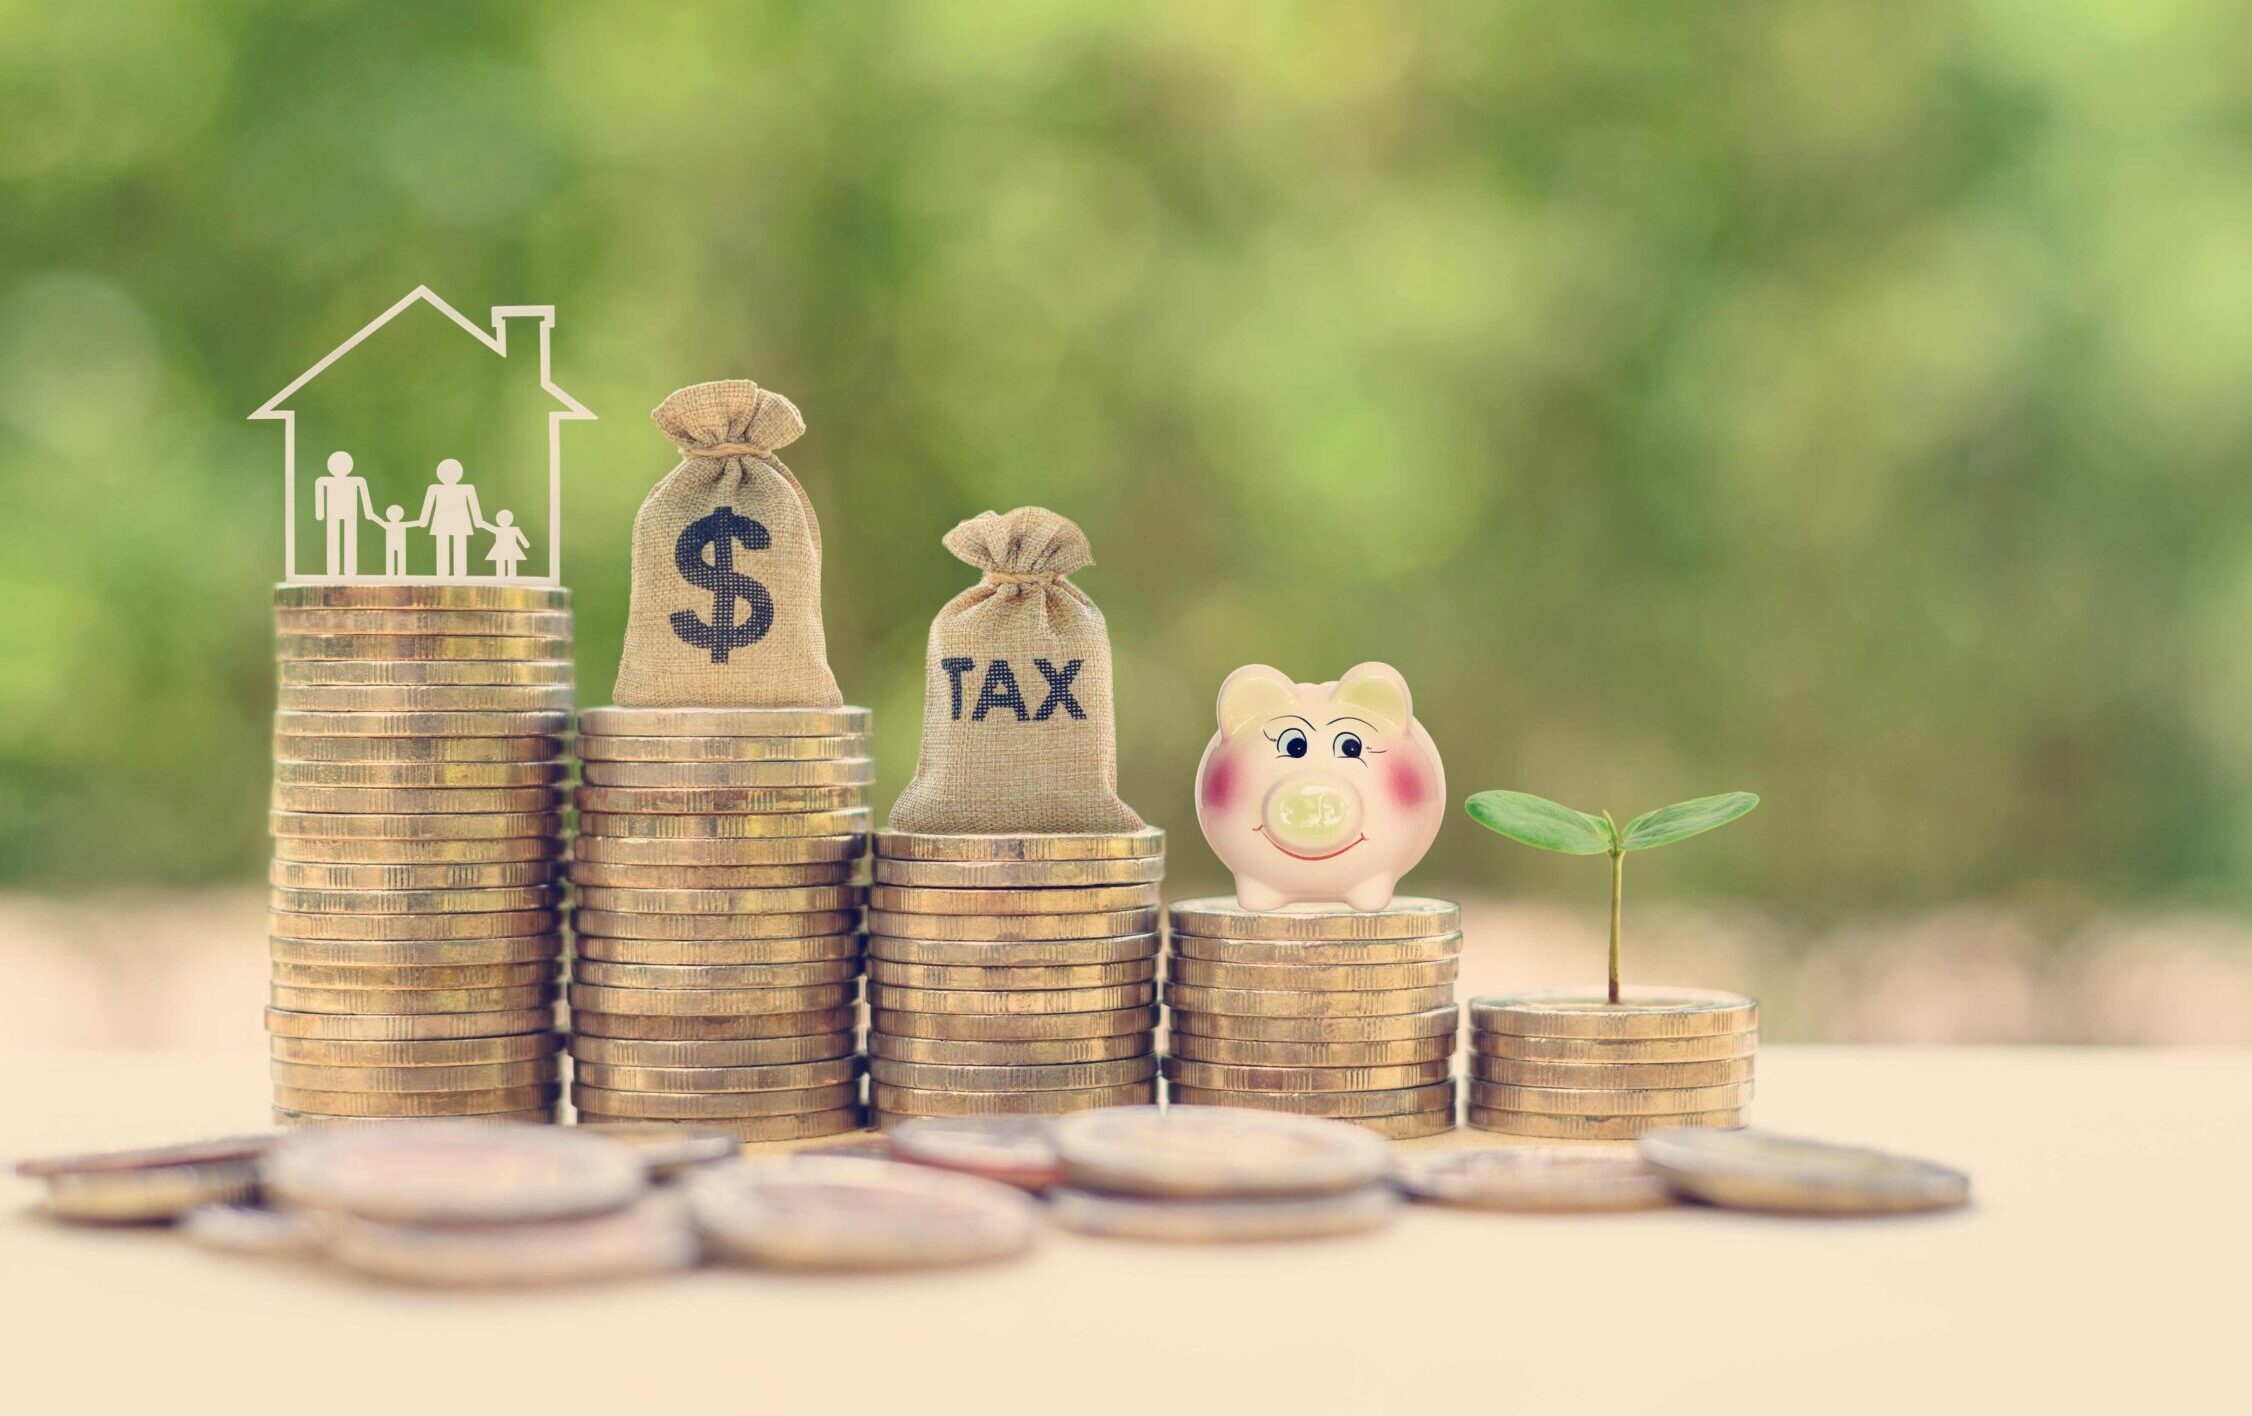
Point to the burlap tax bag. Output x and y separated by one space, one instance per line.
1018 734
726 608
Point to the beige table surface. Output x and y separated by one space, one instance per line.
2101 1266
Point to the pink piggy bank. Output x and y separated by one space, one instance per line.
1317 792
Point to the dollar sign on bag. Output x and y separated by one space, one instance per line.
720 531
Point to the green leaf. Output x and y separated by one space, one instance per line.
1537 821
1684 819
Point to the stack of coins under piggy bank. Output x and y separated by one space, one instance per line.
1314 989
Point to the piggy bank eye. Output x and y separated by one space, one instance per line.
1346 745
1291 742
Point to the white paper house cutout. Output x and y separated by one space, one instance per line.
496 340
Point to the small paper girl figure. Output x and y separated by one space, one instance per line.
509 545
395 528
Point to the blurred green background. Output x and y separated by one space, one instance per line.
1841 401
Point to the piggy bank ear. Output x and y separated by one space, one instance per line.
1252 693
1377 692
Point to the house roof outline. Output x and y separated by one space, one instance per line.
496 340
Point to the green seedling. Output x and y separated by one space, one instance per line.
1537 821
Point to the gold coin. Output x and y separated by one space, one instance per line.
602 974
836 1213
739 1027
475 1076
912 845
1019 874
153 1184
1717 1047
435 826
719 951
1190 1154
1533 1179
1015 1150
723 1052
1027 976
916 899
1061 1076
735 827
516 897
783 899
1013 953
710 1002
447 775
404 673
695 1106
780 1076
1757 1170
454 1103
1435 1022
416 976
521 624
410 1000
1407 917
318 747
416 800
496 924
420 646
650 1235
1055 1051
341 850
499 875
606 747
540 724
1596 1075
1224 1221
1590 1128
1603 1101
726 722
1046 1000
1316 978
1256 1003
409 1027
1094 924
775 925
890 1102
595 874
1013 1027
421 597
700 802
1393 1102
438 1053
1343 953
1237 1052
425 698
309 1120
1408 1125
1643 1013
1218 1076
777 850
834 772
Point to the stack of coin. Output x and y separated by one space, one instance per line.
1012 974
717 918
418 826
1319 1011
1577 1066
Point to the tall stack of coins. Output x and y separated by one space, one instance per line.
717 918
1012 974
1319 1011
1577 1066
418 825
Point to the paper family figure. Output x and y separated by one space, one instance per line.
450 512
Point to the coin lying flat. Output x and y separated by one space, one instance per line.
1407 917
1015 1150
909 1101
1641 1013
483 924
451 1172
483 1101
424 775
805 1126
424 698
1014 1027
721 976
615 747
1328 952
338 850
1542 1179
1020 874
772 850
238 1228
724 1027
1066 1076
1226 1077
698 803
711 1002
667 1148
1434 1022
685 952
1094 924
415 801
1228 1221
313 745
1623 1075
434 1052
828 1212
1318 978
1408 1125
909 845
1718 1047
826 772
415 596
715 827
1013 953
1213 1154
786 899
408 1027
775 924
420 646
892 997
1242 1053
541 724
498 875
1087 899
1291 1003
389 620
724 722
1759 1170
1389 1102
1560 1101
689 1106
382 954
649 1236
725 1052
150 1184
542 1115
421 673
1591 1128
381 1002
775 1076
601 874
892 1047
415 976
1012 977
469 1076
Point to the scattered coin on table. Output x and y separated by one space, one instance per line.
1760 1170
1546 1179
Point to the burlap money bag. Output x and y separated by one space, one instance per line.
1018 734
726 607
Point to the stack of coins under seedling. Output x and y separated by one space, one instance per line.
1012 974
1581 1067
1319 1011
417 821
717 918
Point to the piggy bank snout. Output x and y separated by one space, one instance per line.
1309 814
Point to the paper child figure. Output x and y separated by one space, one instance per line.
338 500
395 528
509 545
451 512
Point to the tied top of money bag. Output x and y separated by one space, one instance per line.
1018 727
726 609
